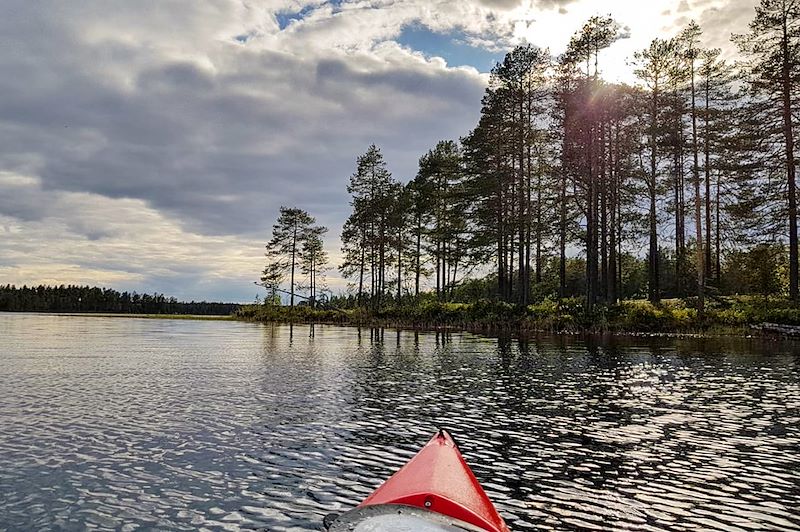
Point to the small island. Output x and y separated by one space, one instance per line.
576 203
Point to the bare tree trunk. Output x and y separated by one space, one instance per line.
707 150
698 202
591 226
438 269
539 229
613 165
562 226
603 192
501 269
446 271
510 237
361 276
654 291
788 134
399 263
523 209
418 265
294 253
620 292
680 200
678 226
718 257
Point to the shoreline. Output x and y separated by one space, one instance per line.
516 328
194 317
522 332
631 318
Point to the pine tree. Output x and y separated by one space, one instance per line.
653 69
419 193
441 175
368 227
772 69
314 260
283 250
688 42
718 116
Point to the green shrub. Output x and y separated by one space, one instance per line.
551 315
547 309
647 317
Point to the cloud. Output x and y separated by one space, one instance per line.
186 122
79 237
166 116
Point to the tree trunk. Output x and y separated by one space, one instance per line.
501 270
361 275
707 150
418 265
382 263
294 253
539 230
788 135
438 270
523 209
399 263
562 225
313 288
680 207
613 166
678 227
718 257
698 201
591 225
653 288
603 192
620 292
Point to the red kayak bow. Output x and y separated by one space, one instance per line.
436 486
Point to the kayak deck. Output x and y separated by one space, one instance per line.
398 518
440 488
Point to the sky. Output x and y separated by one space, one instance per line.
148 144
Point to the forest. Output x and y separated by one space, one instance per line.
681 185
93 299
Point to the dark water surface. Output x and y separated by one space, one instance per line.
129 423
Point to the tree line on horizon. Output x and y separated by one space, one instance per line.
680 186
73 298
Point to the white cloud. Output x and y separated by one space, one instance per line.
80 237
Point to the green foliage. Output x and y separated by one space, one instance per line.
566 315
291 235
646 317
475 290
369 230
301 314
762 269
752 310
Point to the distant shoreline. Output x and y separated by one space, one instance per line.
196 317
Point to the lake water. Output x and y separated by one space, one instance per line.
130 423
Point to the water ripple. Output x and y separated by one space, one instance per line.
127 424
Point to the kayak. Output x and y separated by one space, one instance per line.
435 491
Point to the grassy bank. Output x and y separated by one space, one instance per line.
733 315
